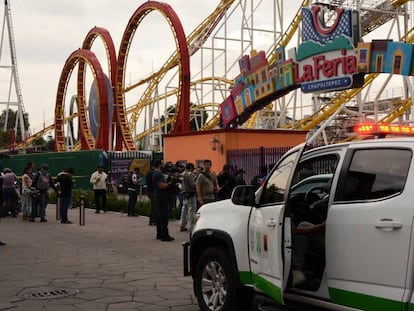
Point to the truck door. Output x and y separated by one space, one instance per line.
368 229
266 227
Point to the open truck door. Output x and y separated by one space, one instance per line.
269 230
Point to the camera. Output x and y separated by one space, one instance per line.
172 174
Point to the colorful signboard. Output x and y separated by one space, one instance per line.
326 59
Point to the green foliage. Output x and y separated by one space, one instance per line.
114 202
4 139
45 145
50 144
39 142
10 116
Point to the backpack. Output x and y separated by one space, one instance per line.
43 182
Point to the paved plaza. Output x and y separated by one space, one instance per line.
112 263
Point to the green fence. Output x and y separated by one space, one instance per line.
83 162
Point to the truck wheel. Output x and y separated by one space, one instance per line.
215 281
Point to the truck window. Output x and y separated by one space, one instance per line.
309 194
276 183
374 174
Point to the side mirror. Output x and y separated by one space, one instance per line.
244 195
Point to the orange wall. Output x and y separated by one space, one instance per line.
191 147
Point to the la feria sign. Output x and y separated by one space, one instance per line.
326 59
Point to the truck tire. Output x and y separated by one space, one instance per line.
215 282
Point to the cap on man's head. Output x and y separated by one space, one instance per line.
7 170
45 166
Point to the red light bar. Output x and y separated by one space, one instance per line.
383 129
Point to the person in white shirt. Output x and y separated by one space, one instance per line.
98 180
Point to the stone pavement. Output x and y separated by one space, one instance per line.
112 263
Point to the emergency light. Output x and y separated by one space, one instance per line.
383 129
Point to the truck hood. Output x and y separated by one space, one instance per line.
224 216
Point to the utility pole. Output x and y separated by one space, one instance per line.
14 74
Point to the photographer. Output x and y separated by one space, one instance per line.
189 198
172 175
160 201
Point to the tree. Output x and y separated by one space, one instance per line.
9 117
45 145
4 139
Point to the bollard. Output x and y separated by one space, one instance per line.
82 211
57 208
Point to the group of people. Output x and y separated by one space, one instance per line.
33 192
193 187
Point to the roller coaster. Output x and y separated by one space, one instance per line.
118 121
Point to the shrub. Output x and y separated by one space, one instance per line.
115 202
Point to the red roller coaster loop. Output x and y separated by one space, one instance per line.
111 57
101 141
183 114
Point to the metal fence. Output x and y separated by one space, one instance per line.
252 160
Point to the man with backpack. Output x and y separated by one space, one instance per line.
42 182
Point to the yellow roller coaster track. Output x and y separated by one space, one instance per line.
339 100
399 2
27 142
175 91
368 26
170 120
290 32
283 41
401 106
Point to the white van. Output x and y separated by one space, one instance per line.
331 227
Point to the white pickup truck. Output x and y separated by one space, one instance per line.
331 228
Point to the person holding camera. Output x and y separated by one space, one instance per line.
173 177
98 180
189 198
160 201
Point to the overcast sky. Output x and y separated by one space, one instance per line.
46 32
